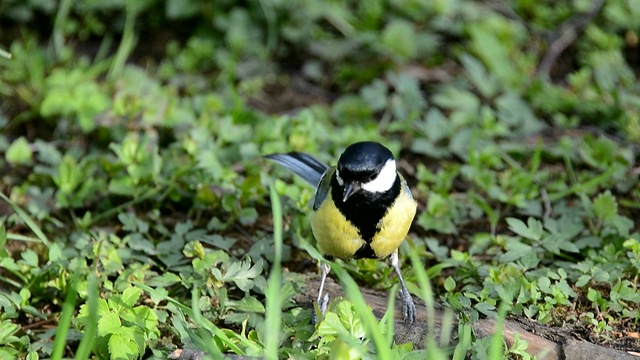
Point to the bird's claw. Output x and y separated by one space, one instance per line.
408 308
323 304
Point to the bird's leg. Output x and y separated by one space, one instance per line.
323 302
408 307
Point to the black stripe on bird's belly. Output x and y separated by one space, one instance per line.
365 210
365 252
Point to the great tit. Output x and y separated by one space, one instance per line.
363 208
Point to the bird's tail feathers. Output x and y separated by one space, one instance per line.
304 165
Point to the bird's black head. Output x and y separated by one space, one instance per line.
365 165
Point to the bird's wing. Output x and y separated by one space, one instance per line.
405 186
323 188
304 165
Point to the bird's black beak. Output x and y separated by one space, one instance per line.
350 189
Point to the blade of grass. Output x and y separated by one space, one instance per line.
64 322
629 203
389 316
27 220
20 237
464 342
497 345
127 42
89 336
446 326
58 27
12 282
312 251
426 293
270 16
273 318
208 346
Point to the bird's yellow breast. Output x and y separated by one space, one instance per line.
338 237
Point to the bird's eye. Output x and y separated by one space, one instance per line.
372 177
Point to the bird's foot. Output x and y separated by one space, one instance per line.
323 304
408 308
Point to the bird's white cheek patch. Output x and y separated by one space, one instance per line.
385 179
340 181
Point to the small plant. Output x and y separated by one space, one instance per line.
124 329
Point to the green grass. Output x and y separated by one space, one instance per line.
273 316
138 217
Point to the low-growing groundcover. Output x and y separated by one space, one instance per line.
138 217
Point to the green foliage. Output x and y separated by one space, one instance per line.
73 94
343 324
19 152
134 198
124 329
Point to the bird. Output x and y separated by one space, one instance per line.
363 208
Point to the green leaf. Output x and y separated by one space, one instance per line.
486 308
181 9
30 258
330 326
8 353
7 331
47 152
375 95
515 251
544 284
583 280
247 304
399 38
131 295
109 323
122 347
164 280
55 252
248 216
622 224
111 259
484 82
242 273
449 284
605 206
124 186
159 295
92 104
19 152
350 320
533 231
149 317
137 336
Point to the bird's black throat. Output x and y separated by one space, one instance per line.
365 210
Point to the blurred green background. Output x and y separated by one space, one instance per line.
131 144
